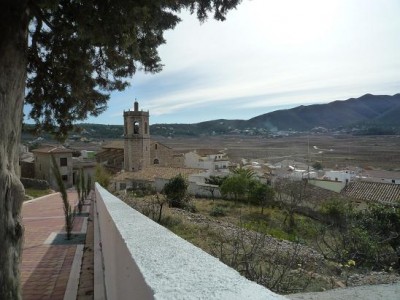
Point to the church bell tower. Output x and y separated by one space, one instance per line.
136 139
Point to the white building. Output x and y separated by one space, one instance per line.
208 159
343 175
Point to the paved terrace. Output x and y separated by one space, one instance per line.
50 268
136 259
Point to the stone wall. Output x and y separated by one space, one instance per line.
35 183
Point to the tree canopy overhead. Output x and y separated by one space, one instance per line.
81 50
64 57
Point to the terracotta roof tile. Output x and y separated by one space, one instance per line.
119 144
151 173
373 191
52 150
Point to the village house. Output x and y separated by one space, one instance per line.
373 192
43 165
209 159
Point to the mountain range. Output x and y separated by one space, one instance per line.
366 112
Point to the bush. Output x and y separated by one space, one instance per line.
102 176
170 221
191 207
176 192
217 211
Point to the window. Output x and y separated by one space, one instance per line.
63 162
155 146
136 127
156 161
64 177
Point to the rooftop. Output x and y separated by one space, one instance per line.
373 191
152 172
52 149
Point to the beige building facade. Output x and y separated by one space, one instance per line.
43 165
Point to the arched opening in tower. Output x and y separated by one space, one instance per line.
136 126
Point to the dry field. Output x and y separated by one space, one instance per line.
382 152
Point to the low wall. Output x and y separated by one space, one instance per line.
143 260
35 183
335 186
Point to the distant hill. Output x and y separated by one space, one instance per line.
368 114
364 112
380 109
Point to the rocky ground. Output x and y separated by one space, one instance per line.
365 292
357 279
312 262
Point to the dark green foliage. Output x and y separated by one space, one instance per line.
88 184
80 51
238 184
191 207
261 194
176 192
317 165
244 173
338 212
383 224
235 186
215 180
68 213
291 194
83 185
370 237
78 185
217 211
65 57
102 176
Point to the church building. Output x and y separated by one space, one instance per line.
136 139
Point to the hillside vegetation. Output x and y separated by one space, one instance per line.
366 115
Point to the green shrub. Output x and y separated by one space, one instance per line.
170 221
102 176
217 211
191 207
176 192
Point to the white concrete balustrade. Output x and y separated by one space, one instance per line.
143 260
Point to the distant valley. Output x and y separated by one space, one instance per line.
366 115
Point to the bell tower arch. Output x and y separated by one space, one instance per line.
136 139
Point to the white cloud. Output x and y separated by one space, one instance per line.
275 53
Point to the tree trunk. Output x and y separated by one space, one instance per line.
13 47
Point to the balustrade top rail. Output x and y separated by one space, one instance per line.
169 267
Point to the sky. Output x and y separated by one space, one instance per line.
268 55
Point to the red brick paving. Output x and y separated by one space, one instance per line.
44 268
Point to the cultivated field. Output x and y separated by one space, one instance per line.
332 150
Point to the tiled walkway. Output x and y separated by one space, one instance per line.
45 268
